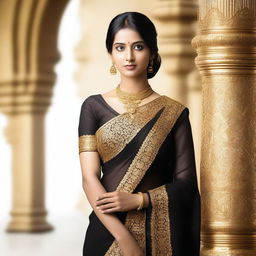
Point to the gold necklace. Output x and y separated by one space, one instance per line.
132 100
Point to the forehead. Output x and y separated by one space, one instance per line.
127 35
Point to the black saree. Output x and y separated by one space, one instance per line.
151 153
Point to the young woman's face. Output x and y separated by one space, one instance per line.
130 54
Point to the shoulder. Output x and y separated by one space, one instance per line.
89 101
89 104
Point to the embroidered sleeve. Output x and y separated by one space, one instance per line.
87 127
87 143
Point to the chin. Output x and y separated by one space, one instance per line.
133 74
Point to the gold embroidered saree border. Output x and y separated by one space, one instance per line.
138 168
114 135
87 143
159 226
150 147
160 222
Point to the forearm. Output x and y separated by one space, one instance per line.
93 188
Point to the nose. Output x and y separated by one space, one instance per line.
129 54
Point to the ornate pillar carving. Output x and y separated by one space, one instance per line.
226 59
28 54
176 28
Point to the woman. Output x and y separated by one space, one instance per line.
147 201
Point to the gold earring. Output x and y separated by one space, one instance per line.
112 70
150 67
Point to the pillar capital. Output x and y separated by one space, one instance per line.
175 9
176 27
225 39
176 18
26 95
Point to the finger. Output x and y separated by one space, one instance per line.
106 195
107 206
114 209
104 201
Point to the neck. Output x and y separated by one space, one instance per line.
132 85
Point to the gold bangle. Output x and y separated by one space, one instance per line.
141 202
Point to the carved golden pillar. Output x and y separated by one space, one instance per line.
227 61
27 57
176 28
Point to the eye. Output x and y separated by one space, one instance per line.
119 48
138 47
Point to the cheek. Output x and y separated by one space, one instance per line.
118 59
144 60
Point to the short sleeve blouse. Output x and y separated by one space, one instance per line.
87 127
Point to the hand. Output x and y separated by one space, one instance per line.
129 246
117 202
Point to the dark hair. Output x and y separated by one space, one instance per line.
144 26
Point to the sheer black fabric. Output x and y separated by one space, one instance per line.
88 121
174 166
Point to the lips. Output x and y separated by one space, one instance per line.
130 67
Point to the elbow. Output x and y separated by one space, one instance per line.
88 181
85 183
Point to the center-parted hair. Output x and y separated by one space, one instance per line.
144 26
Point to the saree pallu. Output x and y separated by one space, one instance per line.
153 153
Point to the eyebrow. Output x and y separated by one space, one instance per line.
132 43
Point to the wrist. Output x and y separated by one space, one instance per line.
142 200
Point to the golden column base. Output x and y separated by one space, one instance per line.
229 244
29 222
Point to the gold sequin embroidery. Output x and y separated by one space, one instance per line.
150 146
115 134
137 170
87 143
160 223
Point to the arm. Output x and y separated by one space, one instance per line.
90 166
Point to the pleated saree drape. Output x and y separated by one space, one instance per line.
151 153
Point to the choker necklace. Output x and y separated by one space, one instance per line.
132 100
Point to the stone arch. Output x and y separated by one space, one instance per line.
28 54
